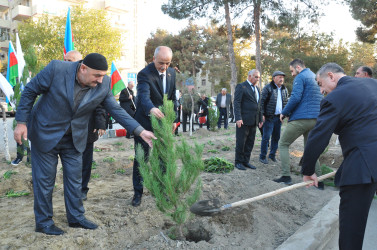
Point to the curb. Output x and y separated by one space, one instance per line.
316 233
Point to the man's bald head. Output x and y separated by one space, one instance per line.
73 56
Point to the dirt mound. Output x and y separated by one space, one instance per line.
261 225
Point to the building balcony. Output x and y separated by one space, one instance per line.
4 5
5 23
4 45
21 12
117 6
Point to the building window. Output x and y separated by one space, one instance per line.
203 82
4 34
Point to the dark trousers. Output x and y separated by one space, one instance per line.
223 115
20 151
87 159
44 174
186 115
137 179
271 129
355 201
245 136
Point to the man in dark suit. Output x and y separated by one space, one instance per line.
57 125
126 99
96 127
349 110
154 81
248 117
223 102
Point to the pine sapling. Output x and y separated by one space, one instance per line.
175 188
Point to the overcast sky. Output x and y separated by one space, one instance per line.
337 19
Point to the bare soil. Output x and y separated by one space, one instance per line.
261 225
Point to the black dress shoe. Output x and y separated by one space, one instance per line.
50 230
248 165
240 166
86 224
136 201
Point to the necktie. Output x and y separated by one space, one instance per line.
255 92
162 83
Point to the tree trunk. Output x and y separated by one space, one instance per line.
232 57
257 4
6 148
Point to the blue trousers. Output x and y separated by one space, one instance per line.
271 129
44 174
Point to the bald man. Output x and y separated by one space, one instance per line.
73 56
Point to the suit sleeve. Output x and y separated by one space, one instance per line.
120 115
320 136
40 84
237 102
143 93
296 96
124 96
100 118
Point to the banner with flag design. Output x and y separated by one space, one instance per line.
117 83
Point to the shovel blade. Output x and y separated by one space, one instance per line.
206 207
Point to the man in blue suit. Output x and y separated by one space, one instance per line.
349 110
154 81
57 125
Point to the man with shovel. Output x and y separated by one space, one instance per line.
349 110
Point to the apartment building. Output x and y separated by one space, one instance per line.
126 15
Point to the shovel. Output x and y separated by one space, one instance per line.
211 207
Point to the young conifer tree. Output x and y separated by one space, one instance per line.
175 187
213 116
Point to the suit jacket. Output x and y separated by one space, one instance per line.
350 111
97 121
150 92
125 102
53 114
227 104
246 107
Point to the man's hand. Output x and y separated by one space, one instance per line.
175 126
264 118
147 136
20 132
260 124
157 113
101 132
282 117
130 97
311 178
239 123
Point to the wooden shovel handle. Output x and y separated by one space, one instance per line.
276 192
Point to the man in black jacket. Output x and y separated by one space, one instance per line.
204 110
274 98
248 117
126 99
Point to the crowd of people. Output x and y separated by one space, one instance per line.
76 97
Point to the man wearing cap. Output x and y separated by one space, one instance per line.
302 110
273 100
154 81
57 125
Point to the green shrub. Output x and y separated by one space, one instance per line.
217 165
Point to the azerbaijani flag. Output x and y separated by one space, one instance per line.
68 39
117 83
12 69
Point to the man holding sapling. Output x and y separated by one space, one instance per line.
154 81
